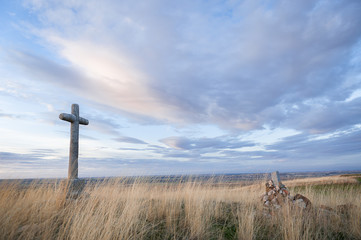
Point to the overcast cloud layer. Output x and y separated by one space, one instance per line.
244 66
239 65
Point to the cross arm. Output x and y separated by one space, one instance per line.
83 121
67 117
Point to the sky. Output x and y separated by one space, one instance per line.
180 87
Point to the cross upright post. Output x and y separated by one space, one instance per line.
75 120
276 179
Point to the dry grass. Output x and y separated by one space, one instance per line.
116 209
320 180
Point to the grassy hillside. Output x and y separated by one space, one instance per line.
115 209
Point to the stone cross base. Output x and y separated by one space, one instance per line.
73 188
277 195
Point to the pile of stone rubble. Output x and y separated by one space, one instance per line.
277 195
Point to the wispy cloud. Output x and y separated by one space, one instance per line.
6 115
302 147
126 139
184 143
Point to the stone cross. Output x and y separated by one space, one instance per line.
74 138
276 179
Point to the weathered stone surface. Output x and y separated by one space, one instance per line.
72 188
298 198
299 203
276 179
271 192
75 120
274 201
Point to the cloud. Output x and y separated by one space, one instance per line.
302 146
103 123
287 153
5 115
46 70
129 140
184 143
325 116
39 163
240 65
183 155
305 148
42 158
202 149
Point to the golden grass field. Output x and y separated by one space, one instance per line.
115 209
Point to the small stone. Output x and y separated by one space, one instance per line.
285 193
281 199
274 201
271 197
271 192
269 185
276 206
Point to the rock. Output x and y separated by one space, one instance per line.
277 194
306 202
281 199
345 208
271 192
274 201
285 192
299 203
324 207
276 206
